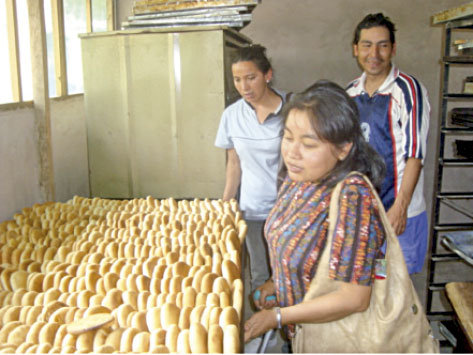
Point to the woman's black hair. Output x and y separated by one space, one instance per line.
253 53
335 119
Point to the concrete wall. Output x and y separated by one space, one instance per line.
19 172
311 39
69 141
308 40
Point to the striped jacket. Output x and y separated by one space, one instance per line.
395 121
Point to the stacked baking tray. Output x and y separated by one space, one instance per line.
184 13
462 116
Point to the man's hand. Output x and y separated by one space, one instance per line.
397 216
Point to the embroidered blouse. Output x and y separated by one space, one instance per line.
297 228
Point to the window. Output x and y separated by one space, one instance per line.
48 24
5 83
74 23
99 16
64 21
25 53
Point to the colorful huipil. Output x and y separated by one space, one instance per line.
296 231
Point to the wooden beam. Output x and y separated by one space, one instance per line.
39 65
13 47
88 15
57 15
110 15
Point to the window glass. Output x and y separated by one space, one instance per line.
99 15
25 50
5 83
48 24
74 24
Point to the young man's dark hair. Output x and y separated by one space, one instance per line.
375 20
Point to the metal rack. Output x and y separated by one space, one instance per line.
452 201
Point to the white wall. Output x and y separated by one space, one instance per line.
308 40
19 158
19 162
69 141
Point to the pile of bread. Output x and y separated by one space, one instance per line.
103 276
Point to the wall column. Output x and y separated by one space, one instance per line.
41 99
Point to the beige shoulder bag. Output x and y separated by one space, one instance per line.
394 322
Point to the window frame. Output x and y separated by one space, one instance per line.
59 46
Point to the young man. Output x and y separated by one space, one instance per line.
394 113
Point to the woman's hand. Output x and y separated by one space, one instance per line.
260 323
265 290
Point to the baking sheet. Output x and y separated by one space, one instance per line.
173 14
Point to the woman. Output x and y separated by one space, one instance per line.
322 144
250 130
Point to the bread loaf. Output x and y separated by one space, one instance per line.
184 317
198 338
105 349
21 349
113 339
12 314
214 317
99 338
138 321
183 343
229 316
215 339
231 339
126 342
18 335
85 341
171 337
213 299
24 313
18 280
157 338
43 348
33 314
207 282
142 300
140 343
48 332
89 323
60 334
160 349
165 273
169 315
28 298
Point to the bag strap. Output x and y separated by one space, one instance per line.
394 252
334 205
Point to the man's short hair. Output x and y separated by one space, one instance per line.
375 20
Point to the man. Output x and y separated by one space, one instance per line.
394 114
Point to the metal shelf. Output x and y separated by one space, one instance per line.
448 199
456 195
457 96
450 227
460 59
457 130
445 257
464 211
456 162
